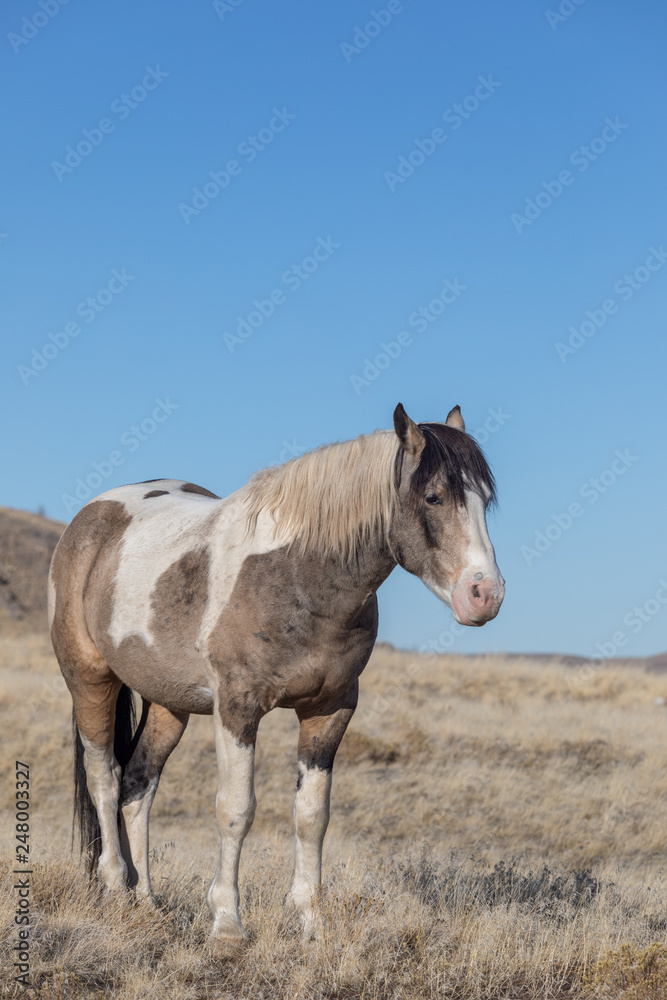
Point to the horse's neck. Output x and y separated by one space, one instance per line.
362 575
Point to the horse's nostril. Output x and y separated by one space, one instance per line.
475 591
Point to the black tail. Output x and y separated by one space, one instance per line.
126 735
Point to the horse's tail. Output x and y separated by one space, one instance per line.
85 814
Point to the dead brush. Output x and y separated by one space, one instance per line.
522 862
629 973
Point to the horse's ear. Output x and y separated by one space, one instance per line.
409 434
455 418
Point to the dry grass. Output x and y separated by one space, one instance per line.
497 832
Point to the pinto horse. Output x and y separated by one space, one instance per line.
232 607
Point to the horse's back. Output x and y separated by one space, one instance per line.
129 583
158 507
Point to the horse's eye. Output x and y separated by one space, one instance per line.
432 498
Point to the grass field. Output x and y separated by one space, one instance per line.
498 831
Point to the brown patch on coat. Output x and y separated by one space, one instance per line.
156 493
179 598
93 685
320 735
296 633
193 488
170 671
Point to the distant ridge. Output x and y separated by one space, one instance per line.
654 664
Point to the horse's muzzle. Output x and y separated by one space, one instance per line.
476 602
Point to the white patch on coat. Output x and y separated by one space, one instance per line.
311 818
235 810
50 599
135 818
229 547
162 530
103 781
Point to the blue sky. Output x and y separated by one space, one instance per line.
230 208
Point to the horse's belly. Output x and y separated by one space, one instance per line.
172 677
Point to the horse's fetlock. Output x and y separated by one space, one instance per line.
112 872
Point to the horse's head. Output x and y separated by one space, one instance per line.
438 530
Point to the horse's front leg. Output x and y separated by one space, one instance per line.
319 738
235 810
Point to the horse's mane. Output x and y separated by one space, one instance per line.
335 499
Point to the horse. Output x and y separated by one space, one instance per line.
233 607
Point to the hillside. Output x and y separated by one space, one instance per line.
27 542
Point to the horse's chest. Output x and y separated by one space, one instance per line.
293 635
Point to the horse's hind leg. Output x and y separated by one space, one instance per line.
160 732
95 716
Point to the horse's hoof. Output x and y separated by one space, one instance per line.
113 892
309 919
228 936
312 929
146 899
228 945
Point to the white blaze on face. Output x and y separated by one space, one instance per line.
481 557
480 563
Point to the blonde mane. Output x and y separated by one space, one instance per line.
331 500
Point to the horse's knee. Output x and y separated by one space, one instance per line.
235 818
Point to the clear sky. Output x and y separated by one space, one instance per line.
235 208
